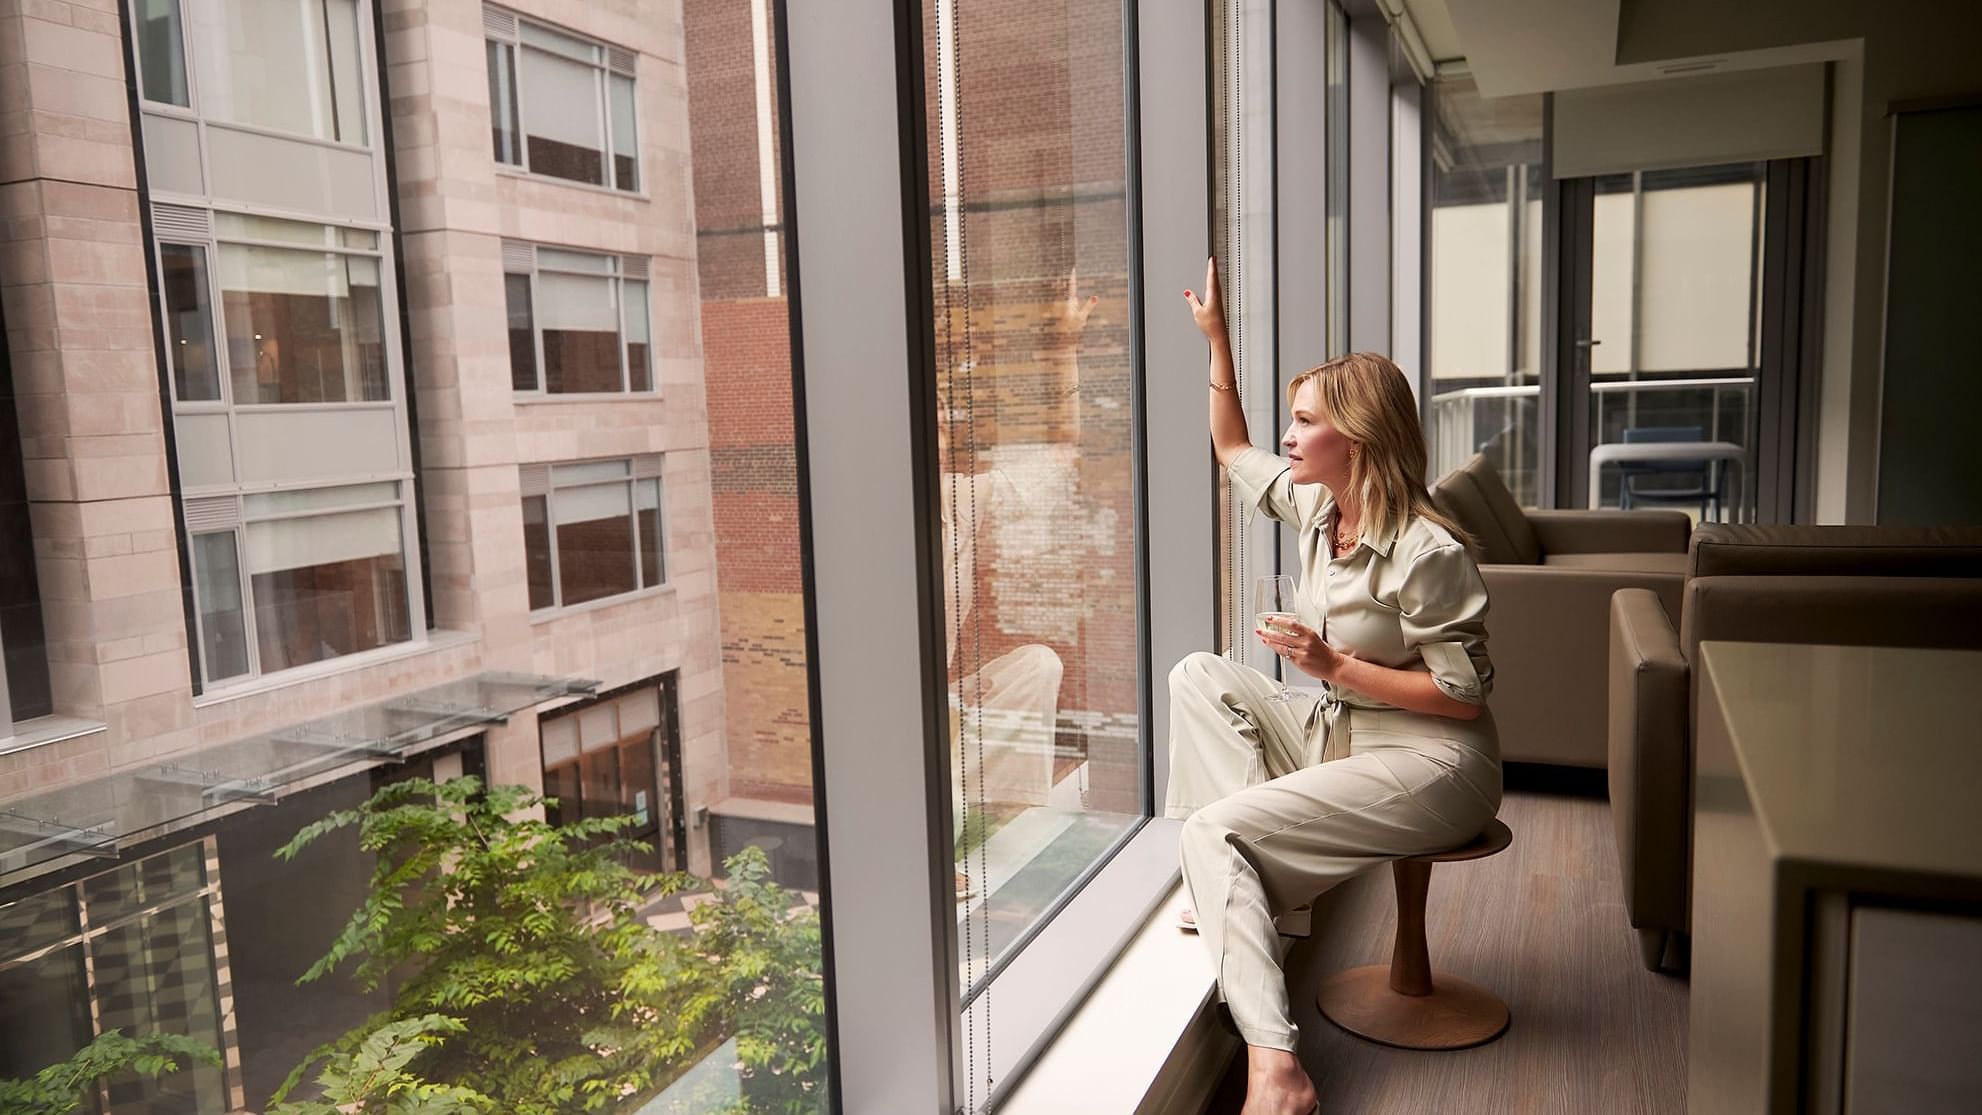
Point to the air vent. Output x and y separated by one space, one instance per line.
518 255
633 267
212 513
621 60
499 23
534 479
181 220
1697 66
647 464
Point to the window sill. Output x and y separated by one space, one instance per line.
537 397
434 642
45 730
504 170
552 615
1144 1041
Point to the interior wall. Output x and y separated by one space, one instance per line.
1910 50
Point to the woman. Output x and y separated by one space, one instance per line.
1283 800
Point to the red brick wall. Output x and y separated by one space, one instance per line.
1042 150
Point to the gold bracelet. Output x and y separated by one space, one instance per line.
1223 386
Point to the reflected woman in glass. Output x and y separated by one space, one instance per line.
1396 756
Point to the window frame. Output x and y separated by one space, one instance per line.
540 481
621 270
857 149
237 528
505 27
367 78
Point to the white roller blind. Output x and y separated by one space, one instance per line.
637 329
324 540
560 740
639 711
1469 285
585 505
561 100
1612 249
1693 289
576 302
283 271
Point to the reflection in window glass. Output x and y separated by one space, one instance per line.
653 563
327 585
302 327
161 46
44 999
522 333
1483 292
537 551
293 67
1029 203
639 338
626 164
223 620
188 322
502 103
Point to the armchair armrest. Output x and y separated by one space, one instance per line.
1650 760
1611 532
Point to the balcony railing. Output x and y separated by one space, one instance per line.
1503 421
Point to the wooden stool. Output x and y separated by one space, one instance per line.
1404 1004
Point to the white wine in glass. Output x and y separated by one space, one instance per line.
1275 609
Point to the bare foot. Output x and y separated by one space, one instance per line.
1276 1084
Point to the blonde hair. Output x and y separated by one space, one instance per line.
1368 399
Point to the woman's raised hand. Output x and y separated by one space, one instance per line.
1209 313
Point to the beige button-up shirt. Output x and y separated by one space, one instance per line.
1412 601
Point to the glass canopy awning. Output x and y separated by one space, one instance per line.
102 816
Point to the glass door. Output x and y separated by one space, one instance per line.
1664 340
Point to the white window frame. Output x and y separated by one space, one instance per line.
504 27
367 78
216 518
541 481
521 258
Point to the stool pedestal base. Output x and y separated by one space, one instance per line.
1457 1014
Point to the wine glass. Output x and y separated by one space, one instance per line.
1274 608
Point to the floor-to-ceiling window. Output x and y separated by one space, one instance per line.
1483 285
1028 181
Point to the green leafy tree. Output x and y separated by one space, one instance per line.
373 1076
58 1089
517 945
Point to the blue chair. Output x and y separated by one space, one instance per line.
1709 487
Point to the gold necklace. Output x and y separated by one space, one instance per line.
1346 541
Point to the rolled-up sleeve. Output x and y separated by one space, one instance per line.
1265 481
1443 606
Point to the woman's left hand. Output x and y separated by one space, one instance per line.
1305 649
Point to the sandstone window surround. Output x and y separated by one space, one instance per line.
561 105
295 68
593 530
579 322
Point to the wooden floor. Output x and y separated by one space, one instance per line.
1542 925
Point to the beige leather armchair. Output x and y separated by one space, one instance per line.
1550 575
1857 586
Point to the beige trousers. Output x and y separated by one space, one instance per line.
1268 826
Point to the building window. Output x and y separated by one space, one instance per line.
619 756
298 576
304 324
187 294
291 67
578 322
592 530
131 950
161 46
559 105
